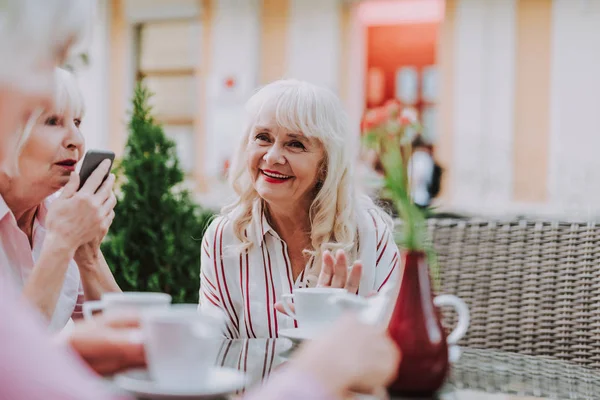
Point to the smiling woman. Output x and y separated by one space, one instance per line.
296 202
283 165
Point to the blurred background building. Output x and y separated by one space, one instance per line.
506 89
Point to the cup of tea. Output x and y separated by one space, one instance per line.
181 344
126 302
313 311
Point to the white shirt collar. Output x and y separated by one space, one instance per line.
259 226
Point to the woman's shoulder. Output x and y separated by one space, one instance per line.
221 229
376 219
374 225
220 225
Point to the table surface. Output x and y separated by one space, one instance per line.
478 375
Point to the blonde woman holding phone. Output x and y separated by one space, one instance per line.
54 252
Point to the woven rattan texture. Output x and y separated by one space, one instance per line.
532 287
499 372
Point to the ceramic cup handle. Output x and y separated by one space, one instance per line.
463 316
90 306
286 305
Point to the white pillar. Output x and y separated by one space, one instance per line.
235 54
314 42
94 82
484 104
574 171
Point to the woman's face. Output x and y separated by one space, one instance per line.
20 98
283 165
51 152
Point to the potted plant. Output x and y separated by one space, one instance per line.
415 324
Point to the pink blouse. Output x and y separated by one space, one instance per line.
18 259
34 367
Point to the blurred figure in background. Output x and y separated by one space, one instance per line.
424 173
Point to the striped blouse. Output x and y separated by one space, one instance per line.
246 286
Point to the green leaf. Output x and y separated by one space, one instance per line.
392 143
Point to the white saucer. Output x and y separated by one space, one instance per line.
297 335
220 382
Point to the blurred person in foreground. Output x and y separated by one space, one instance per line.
293 174
55 254
34 37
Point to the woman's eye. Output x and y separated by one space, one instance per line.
52 121
297 145
77 122
262 137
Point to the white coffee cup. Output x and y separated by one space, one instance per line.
181 344
126 302
312 307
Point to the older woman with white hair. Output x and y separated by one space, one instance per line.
54 252
296 202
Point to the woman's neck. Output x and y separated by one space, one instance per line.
289 222
23 206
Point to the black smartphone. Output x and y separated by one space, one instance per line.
92 160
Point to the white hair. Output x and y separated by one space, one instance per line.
68 99
33 32
317 113
33 35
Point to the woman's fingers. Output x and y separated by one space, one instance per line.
335 272
109 204
354 277
340 272
91 185
326 270
106 189
279 307
71 187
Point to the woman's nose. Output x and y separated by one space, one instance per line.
274 155
74 139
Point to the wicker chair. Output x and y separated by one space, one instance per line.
532 287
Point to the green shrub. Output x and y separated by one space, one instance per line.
155 240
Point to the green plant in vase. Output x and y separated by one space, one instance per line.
423 344
387 130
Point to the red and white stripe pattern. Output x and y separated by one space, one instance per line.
245 287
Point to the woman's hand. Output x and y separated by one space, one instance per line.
88 254
78 217
350 356
335 272
108 345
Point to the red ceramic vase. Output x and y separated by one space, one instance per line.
416 328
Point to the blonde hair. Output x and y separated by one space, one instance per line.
68 99
317 113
